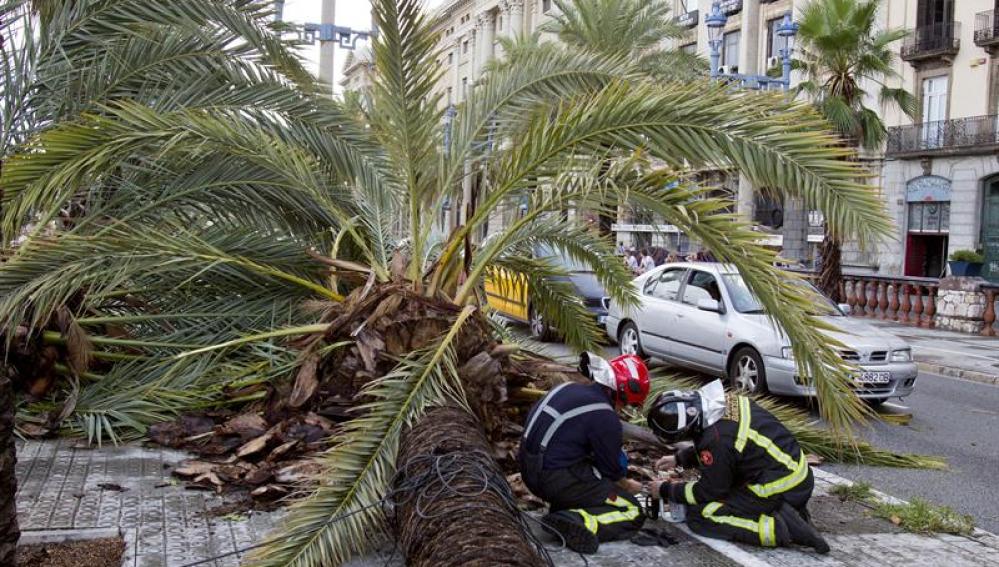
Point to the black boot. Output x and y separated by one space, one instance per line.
800 531
572 529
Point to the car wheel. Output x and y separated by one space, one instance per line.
540 330
746 372
629 341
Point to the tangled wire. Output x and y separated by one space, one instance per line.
453 506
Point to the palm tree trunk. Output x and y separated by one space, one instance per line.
9 532
447 515
831 270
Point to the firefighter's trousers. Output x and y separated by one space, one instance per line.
606 511
746 518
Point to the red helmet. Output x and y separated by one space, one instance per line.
626 375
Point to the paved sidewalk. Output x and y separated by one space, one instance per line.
65 489
952 354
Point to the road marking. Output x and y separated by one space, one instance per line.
955 378
957 352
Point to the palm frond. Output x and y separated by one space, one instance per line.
359 468
405 115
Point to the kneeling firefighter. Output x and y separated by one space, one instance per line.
571 453
755 482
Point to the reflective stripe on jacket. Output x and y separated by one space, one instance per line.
748 447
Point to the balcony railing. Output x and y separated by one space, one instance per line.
936 40
979 134
987 28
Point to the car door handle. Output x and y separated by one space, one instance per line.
679 315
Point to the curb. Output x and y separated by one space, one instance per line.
961 374
37 537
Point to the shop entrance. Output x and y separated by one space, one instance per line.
927 226
926 255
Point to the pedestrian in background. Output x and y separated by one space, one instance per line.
632 261
647 262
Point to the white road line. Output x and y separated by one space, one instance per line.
957 352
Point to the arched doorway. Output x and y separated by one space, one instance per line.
990 228
927 225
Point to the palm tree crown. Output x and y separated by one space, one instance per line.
632 29
843 55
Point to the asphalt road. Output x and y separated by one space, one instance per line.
957 420
952 418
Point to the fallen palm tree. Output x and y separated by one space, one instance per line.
241 249
446 471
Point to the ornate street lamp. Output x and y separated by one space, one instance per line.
715 23
787 31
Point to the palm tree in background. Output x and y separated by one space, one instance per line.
847 61
174 235
632 30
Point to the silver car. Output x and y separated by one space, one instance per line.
702 316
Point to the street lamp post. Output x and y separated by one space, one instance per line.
329 35
715 23
786 33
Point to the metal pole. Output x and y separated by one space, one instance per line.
327 49
786 61
278 10
715 58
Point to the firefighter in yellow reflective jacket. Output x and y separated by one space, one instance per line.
755 482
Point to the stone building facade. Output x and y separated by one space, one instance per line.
939 174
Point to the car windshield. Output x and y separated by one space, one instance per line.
745 301
562 260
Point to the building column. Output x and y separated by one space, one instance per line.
487 22
795 230
473 60
456 72
749 50
745 202
515 12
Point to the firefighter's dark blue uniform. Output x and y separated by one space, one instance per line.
570 457
750 465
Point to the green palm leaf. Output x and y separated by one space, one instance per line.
359 468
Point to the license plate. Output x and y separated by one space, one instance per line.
873 378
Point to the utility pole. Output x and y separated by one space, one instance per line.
327 49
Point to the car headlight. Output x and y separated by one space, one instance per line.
903 355
787 353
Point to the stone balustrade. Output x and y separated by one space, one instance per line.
965 305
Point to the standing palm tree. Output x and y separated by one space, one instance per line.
212 220
630 29
844 56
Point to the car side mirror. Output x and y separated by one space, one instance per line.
710 305
845 308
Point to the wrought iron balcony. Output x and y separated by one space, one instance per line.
933 41
987 29
975 135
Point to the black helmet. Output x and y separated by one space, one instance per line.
676 416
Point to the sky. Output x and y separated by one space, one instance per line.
354 14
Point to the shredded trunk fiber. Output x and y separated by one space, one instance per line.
453 504
9 532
